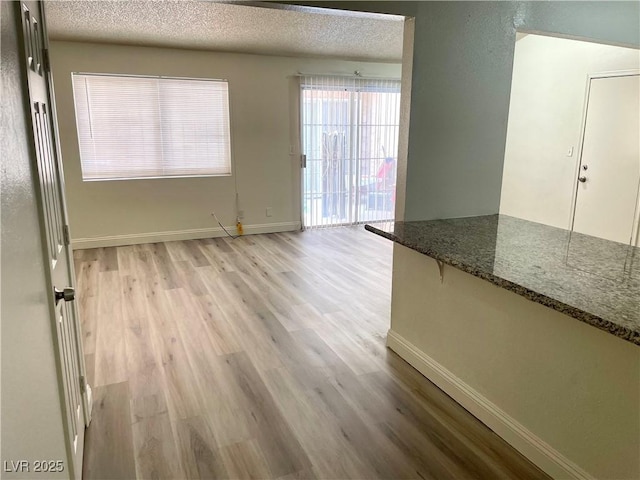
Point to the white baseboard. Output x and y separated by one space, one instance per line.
193 234
514 433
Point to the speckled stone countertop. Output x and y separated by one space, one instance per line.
593 280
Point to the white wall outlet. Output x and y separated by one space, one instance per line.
269 211
240 213
570 152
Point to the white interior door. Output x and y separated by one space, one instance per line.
609 173
75 393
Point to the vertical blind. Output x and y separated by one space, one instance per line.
350 129
141 127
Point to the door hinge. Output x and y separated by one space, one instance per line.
66 235
303 160
83 384
46 63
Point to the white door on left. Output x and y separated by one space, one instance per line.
75 393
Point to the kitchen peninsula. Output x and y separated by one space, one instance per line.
533 329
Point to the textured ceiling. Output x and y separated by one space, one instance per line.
207 25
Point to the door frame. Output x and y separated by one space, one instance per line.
635 232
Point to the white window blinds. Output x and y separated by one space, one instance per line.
141 127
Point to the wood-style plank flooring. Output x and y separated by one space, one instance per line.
264 357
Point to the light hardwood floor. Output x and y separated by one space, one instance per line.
264 357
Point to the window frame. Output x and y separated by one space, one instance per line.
155 177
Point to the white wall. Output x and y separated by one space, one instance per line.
545 117
405 116
562 392
260 89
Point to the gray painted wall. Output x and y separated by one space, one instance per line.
31 413
462 61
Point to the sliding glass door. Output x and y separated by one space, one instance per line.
350 142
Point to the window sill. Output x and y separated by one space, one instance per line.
164 177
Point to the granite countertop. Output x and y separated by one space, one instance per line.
593 280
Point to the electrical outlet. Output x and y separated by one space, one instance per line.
269 211
240 213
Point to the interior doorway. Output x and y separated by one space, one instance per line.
350 132
606 202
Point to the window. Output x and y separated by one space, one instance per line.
147 127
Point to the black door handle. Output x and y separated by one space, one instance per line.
68 294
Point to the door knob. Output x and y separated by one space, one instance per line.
582 179
68 294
